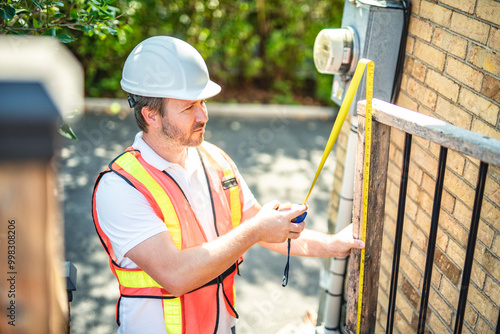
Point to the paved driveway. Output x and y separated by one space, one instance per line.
278 157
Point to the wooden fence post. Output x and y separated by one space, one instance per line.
39 82
375 224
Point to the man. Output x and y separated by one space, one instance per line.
174 214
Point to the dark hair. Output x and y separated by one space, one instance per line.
153 103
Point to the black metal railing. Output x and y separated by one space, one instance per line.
476 214
486 150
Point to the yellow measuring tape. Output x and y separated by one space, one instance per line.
344 109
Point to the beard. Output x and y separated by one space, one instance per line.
182 137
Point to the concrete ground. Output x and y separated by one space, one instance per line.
277 153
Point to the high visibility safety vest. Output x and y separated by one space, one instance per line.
196 311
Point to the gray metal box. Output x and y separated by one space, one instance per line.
379 25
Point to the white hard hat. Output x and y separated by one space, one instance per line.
165 66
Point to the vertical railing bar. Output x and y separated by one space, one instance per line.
399 234
471 244
498 324
431 244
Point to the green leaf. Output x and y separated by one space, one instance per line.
66 131
37 4
110 30
65 38
52 3
86 29
21 11
8 12
50 32
36 24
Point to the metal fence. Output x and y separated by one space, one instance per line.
449 137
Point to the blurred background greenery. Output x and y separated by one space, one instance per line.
257 50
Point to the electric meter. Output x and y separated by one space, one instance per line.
336 51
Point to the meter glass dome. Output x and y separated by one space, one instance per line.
334 50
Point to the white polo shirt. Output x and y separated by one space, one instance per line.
128 219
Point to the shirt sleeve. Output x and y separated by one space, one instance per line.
248 197
125 215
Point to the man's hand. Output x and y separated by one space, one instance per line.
341 243
275 226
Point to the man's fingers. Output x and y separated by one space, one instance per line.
359 244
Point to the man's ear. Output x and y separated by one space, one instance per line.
151 117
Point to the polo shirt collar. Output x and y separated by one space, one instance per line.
152 158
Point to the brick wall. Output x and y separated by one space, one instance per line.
452 72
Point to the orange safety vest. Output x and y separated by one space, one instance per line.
196 311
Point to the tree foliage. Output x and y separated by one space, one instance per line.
61 19
249 45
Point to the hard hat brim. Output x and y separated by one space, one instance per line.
209 90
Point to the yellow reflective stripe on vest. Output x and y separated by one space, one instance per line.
131 165
135 279
172 312
234 192
234 198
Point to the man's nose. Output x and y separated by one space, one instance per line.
201 112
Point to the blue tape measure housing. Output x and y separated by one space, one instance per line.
299 219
